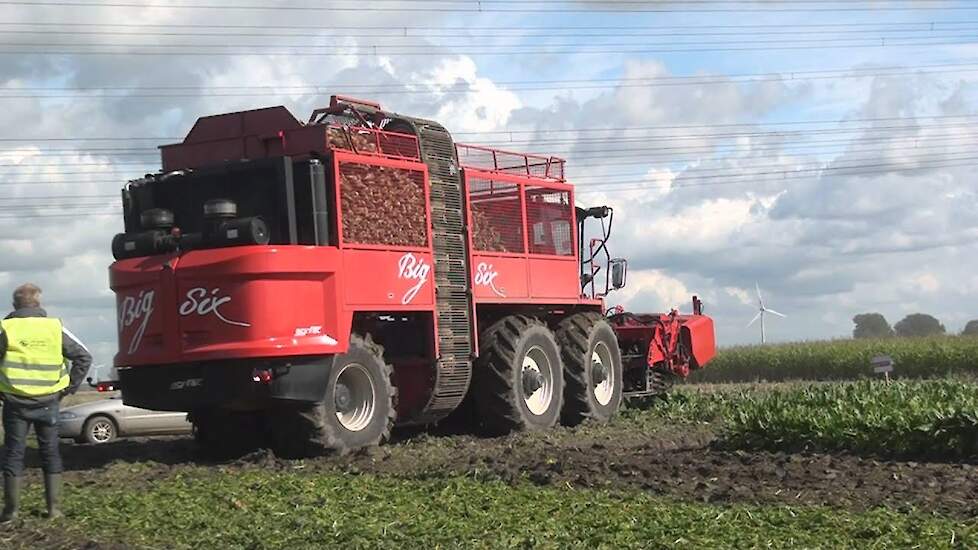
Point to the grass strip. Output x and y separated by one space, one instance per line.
290 509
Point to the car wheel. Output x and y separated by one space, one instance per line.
100 429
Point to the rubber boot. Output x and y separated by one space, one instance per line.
52 495
11 498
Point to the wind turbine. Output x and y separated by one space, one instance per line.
761 311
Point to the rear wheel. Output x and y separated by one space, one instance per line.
358 410
593 369
99 429
518 381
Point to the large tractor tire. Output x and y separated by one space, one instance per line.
518 381
358 410
592 368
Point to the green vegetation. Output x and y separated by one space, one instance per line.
934 357
292 509
936 419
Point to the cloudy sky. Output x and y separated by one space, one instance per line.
819 149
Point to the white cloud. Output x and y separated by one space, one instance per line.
823 247
652 290
926 282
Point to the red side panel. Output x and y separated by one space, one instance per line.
554 278
241 302
142 288
384 280
496 278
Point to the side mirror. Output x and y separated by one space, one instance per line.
619 269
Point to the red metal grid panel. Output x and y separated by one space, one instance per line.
549 221
368 141
497 216
509 162
382 205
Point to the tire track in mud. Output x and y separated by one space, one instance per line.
673 462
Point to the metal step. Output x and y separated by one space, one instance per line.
453 297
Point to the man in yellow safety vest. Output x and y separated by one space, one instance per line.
33 378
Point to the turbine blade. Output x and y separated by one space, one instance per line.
756 317
760 300
775 312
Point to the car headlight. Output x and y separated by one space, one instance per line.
67 415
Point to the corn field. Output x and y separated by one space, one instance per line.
935 357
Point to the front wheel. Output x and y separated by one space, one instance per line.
518 380
99 429
592 360
358 409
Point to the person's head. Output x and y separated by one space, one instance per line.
27 295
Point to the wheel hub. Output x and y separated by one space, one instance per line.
532 381
599 373
342 398
353 397
604 377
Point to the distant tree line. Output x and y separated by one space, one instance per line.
874 325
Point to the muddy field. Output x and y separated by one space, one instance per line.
677 462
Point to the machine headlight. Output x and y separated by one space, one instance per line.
67 415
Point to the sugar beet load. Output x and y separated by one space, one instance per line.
307 286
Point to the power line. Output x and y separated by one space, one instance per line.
552 33
617 150
779 176
786 75
612 84
891 143
739 171
163 139
876 40
487 6
549 29
661 154
358 51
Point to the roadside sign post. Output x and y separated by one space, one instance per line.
882 364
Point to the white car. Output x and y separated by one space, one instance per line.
104 420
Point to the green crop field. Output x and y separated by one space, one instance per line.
929 419
934 357
784 465
292 509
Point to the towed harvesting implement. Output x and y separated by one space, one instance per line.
317 283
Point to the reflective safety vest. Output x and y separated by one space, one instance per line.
33 365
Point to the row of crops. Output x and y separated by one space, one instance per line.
934 357
928 419
934 419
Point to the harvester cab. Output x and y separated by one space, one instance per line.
317 282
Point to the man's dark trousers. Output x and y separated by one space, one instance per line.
17 420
